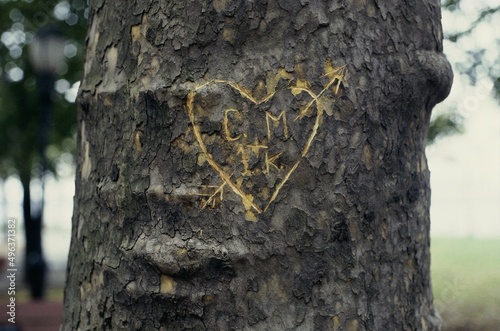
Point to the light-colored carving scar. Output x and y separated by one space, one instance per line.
311 105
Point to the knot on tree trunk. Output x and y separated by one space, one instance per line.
439 75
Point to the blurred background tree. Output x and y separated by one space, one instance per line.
471 43
21 111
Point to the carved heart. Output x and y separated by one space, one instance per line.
254 144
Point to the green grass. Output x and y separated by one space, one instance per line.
466 283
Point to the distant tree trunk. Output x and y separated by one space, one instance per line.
255 165
34 262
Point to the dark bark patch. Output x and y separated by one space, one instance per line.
255 313
412 194
341 231
252 285
219 269
115 173
311 275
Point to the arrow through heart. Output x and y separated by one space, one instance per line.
254 141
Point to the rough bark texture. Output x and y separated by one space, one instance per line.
255 165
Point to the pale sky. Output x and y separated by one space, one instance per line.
465 173
465 168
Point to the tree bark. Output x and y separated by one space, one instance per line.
255 165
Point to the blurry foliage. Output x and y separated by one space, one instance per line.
19 95
443 124
478 62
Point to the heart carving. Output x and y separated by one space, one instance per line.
253 141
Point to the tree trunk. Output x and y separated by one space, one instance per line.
255 165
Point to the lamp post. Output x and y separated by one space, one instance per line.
46 54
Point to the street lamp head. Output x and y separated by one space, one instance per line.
47 50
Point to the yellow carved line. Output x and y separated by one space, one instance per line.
317 123
199 87
296 90
319 114
336 76
212 196
244 161
280 185
314 132
269 161
276 119
303 112
256 146
210 160
243 91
